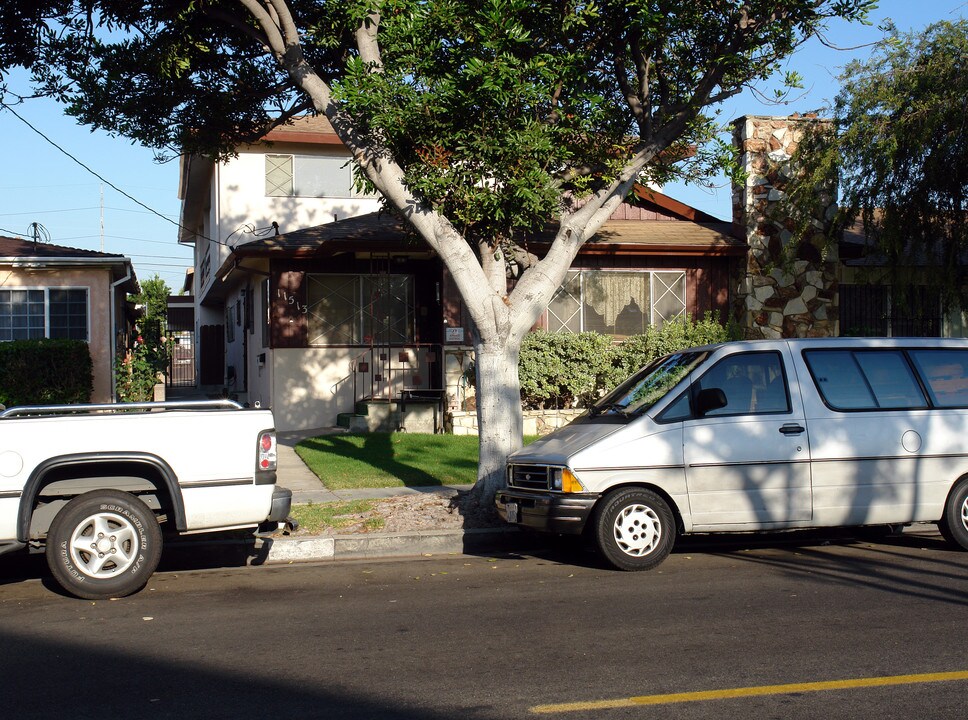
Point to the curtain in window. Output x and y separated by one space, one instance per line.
609 293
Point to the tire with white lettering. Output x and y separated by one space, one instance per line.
954 523
634 529
103 544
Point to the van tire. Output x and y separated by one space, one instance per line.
103 544
954 524
634 529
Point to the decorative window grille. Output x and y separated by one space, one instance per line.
617 303
360 309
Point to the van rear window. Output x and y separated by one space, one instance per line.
865 379
945 374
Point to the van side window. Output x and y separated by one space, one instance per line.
753 383
945 374
865 379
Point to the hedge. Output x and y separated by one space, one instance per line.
562 370
45 372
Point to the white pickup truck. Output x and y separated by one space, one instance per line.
99 485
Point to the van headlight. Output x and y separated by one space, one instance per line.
564 480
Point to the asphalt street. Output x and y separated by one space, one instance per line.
758 627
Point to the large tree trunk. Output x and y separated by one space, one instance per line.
499 418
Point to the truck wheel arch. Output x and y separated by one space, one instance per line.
154 464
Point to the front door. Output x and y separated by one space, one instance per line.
748 462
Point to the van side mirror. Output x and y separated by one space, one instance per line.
710 399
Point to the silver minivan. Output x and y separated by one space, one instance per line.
757 435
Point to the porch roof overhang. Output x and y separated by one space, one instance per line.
383 233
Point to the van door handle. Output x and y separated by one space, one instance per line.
792 429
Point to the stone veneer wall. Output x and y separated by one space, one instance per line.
536 422
789 289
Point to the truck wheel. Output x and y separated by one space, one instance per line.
634 529
954 523
103 544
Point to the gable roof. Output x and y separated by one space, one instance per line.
21 252
21 248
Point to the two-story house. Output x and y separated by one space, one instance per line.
309 299
297 177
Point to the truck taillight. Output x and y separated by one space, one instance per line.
267 451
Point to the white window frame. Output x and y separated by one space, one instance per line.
47 290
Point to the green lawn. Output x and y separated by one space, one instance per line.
377 460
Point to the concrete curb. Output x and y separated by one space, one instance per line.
388 545
362 546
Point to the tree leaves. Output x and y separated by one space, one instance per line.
899 146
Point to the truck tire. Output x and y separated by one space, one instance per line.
103 544
954 523
634 529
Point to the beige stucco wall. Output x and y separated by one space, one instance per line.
310 387
98 282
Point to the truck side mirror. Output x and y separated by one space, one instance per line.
710 399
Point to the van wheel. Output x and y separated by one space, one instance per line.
954 524
103 544
634 529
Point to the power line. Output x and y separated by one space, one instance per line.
101 177
47 212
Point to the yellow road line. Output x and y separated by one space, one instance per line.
729 693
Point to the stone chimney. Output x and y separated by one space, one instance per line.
789 288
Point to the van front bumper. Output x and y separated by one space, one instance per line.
561 513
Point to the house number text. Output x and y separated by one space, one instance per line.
293 300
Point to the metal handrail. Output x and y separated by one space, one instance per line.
27 410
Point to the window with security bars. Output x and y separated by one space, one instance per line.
44 313
309 176
617 303
360 309
884 311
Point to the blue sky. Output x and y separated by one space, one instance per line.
44 185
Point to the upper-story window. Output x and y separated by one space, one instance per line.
617 303
309 176
29 313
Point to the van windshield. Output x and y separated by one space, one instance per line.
650 384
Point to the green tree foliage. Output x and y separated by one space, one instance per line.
898 146
153 297
149 349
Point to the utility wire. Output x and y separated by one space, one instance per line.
101 177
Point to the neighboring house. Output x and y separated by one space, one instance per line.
49 291
825 289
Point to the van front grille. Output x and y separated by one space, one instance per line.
530 477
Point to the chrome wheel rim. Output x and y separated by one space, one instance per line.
637 530
104 545
964 514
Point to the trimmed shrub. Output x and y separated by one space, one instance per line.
45 372
561 370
